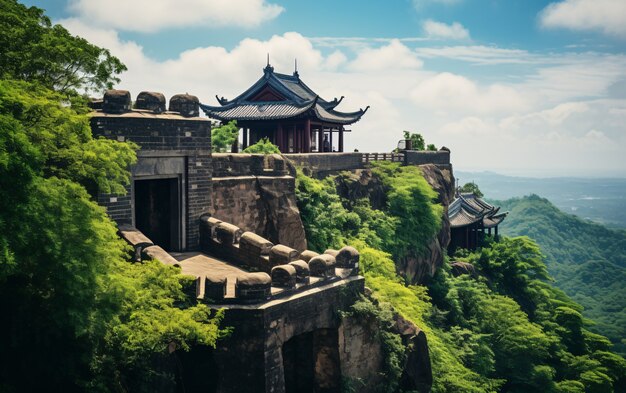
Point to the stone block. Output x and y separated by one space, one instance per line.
284 276
156 252
322 266
302 271
253 244
228 234
214 287
135 239
116 101
253 286
348 257
186 104
151 101
332 252
281 254
307 255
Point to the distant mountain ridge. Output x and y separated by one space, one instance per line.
601 200
587 260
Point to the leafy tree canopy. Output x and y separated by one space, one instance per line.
471 187
35 50
224 136
264 146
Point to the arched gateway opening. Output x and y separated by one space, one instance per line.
311 362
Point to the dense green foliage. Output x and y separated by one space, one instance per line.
224 136
417 140
264 146
587 260
76 315
33 49
508 329
472 187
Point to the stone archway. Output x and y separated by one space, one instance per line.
311 362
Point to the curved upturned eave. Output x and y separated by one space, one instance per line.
332 116
272 110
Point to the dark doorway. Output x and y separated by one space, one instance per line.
157 211
311 362
197 371
299 364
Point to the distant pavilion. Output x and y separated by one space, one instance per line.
470 217
286 111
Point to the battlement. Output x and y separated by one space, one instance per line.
237 267
241 164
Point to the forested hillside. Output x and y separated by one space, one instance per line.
587 260
505 328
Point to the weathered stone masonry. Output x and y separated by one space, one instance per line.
171 147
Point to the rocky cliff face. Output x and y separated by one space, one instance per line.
417 269
361 183
257 194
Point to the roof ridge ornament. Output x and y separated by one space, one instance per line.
295 69
268 68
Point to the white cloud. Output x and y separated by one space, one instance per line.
546 118
396 55
335 59
151 15
449 93
435 29
478 54
607 16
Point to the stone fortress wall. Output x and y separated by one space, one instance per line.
174 144
241 238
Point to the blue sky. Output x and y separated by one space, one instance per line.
521 87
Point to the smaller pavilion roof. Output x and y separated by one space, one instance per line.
468 209
279 96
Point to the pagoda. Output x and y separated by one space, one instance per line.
470 219
285 110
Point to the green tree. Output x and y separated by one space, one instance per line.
264 146
472 187
35 50
224 136
417 140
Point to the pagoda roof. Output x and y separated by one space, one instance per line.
468 209
280 96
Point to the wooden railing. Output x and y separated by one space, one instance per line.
393 157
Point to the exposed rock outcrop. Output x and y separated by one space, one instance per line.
257 193
361 183
459 268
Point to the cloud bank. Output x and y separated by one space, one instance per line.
606 16
154 15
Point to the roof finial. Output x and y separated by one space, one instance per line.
295 69
268 68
